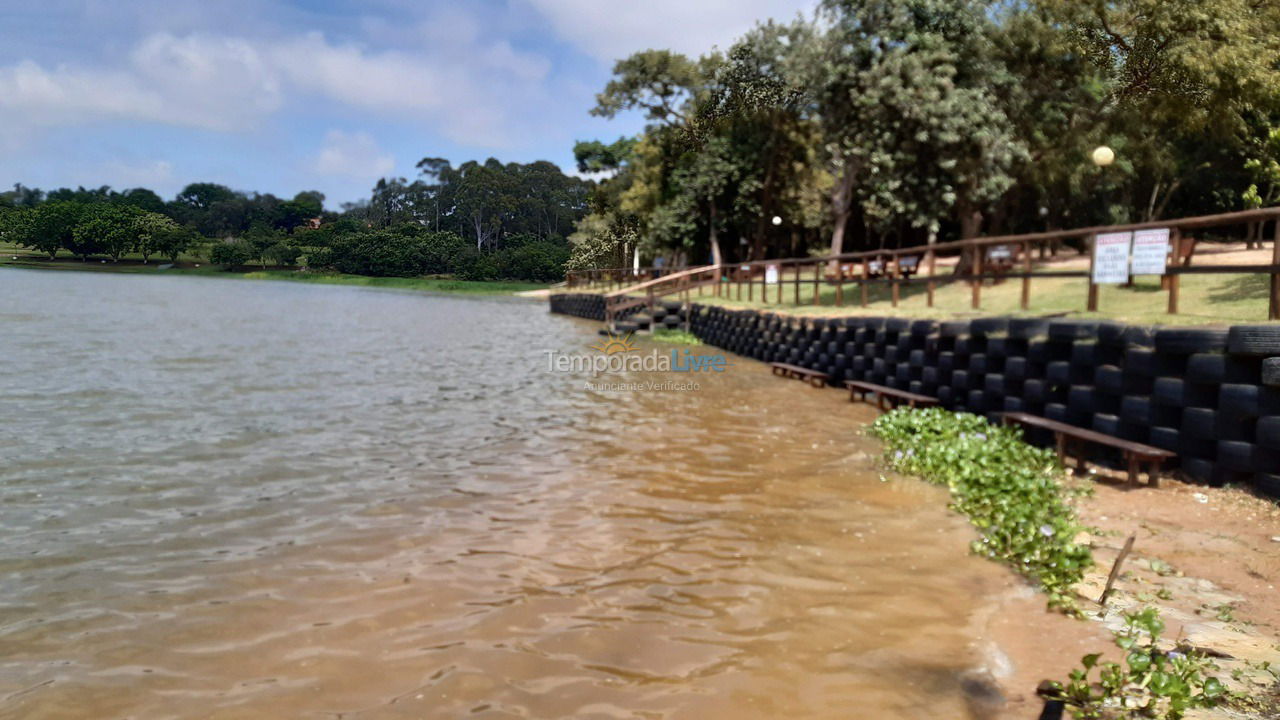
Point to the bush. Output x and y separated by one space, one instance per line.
1008 489
231 255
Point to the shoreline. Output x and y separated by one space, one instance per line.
426 285
1209 597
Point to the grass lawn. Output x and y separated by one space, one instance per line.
12 256
1203 299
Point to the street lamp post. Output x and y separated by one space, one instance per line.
1102 157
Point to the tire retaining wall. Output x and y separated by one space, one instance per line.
1210 395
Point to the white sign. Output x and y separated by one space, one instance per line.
1150 251
771 274
1111 258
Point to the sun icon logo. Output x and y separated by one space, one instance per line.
615 344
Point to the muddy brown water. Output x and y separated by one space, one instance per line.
226 499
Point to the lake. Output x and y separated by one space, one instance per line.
236 499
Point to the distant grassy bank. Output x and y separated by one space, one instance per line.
15 257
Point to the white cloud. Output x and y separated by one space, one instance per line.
222 83
612 31
354 156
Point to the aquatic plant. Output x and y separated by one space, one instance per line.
1150 683
1008 488
676 337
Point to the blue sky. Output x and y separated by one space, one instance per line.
280 96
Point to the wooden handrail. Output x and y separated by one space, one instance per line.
680 281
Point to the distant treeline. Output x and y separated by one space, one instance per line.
479 221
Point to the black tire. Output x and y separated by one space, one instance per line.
1069 330
1254 340
1267 432
1058 373
1230 427
671 322
1198 469
1085 354
1247 457
978 363
1271 372
929 375
984 327
1206 367
1168 391
993 384
1109 379
1111 333
1056 411
945 395
1015 368
1240 401
1028 328
671 306
1139 336
1081 401
1200 423
1268 484
1135 409
975 402
946 361
1033 391
960 381
1140 362
953 328
1038 351
625 327
922 328
1106 424
1165 438
1187 341
997 347
897 325
1013 404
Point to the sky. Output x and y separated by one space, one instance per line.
281 96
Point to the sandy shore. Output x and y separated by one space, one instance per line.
1208 558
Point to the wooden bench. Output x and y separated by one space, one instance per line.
814 378
859 390
1065 435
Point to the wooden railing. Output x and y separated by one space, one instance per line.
613 278
893 267
682 282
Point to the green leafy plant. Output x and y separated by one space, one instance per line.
1150 683
676 337
1008 488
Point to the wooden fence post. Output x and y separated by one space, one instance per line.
1026 281
1092 304
839 284
893 278
751 286
929 287
817 283
1174 281
977 277
1274 313
866 276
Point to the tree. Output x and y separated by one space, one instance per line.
157 234
113 229
48 227
231 255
